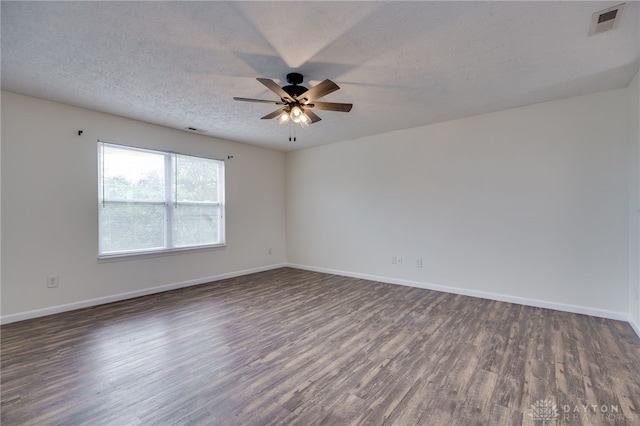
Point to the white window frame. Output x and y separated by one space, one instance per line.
169 202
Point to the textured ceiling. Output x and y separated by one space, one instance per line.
402 64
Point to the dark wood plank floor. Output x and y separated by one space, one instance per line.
298 347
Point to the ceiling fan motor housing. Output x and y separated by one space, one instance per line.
294 79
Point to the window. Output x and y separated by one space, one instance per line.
155 201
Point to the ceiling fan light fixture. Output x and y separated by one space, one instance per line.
296 114
283 118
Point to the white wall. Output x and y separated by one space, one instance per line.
50 209
534 204
634 202
528 204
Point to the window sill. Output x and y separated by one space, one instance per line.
156 253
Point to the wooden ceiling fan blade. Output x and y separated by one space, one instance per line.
264 101
273 86
274 114
321 89
312 116
331 106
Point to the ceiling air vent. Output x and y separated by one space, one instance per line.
606 20
193 129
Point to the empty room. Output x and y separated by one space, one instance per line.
340 213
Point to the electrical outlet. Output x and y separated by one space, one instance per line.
53 281
399 260
418 263
394 260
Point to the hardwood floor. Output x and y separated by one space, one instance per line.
297 347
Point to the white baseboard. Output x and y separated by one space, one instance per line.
130 295
635 326
585 310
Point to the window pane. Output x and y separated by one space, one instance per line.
155 201
131 226
197 179
196 225
133 175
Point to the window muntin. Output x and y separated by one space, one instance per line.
156 201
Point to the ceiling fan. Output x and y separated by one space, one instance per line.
298 101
